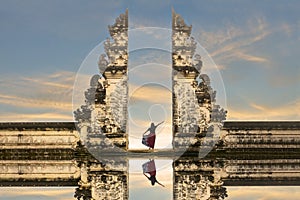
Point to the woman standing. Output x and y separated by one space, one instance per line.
149 140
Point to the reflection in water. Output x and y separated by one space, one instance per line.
37 193
198 179
263 192
150 168
189 177
141 188
249 154
123 177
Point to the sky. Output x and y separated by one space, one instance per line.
254 44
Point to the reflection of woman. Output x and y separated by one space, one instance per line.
149 168
149 140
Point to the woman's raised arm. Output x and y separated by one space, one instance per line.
159 123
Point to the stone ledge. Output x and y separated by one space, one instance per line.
261 125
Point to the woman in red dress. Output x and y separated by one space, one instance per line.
149 140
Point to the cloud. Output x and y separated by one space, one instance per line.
248 57
147 56
151 93
41 97
258 107
235 43
263 47
26 117
153 39
263 112
34 103
47 83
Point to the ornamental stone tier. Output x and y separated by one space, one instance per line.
195 112
102 121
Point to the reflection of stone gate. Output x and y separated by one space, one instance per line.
103 120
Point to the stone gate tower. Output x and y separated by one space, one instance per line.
195 113
103 119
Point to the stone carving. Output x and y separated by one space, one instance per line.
179 25
183 48
193 98
83 193
218 114
83 114
197 180
120 26
102 63
204 92
96 94
188 119
103 118
116 50
109 185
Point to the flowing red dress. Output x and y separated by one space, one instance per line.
149 140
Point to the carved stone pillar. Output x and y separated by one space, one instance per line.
194 109
105 109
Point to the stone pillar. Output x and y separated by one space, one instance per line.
106 99
195 114
197 179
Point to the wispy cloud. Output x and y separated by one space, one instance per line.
252 44
34 103
153 94
26 117
263 112
234 43
251 57
48 83
38 98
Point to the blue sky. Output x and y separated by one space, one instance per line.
254 43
